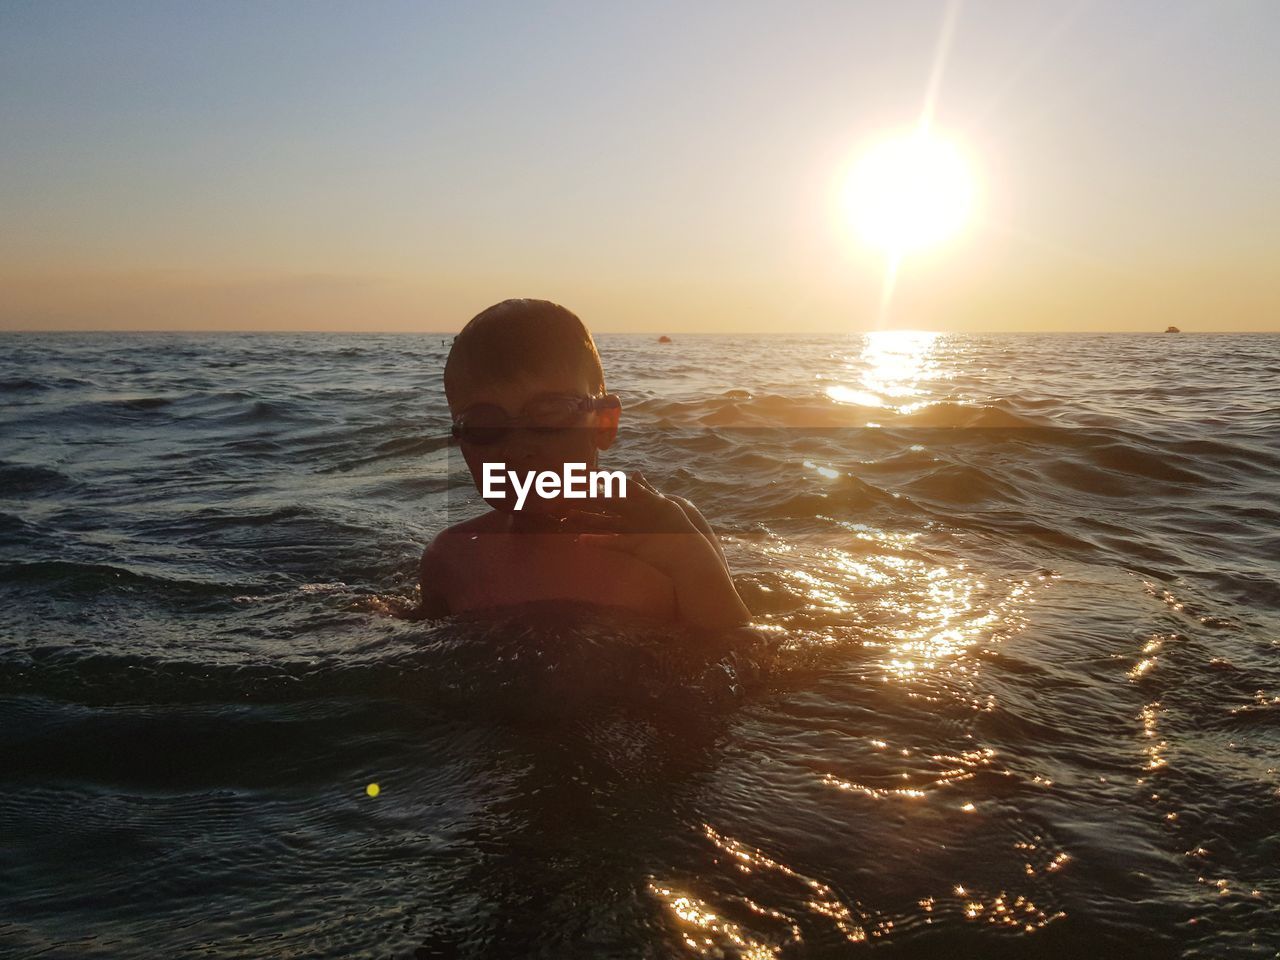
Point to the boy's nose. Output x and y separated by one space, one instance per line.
521 446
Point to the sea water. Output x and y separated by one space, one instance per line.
1021 695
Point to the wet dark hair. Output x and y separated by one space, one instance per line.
518 339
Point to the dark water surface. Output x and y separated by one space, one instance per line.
1026 700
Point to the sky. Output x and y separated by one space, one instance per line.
657 167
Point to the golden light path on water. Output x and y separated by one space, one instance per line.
891 370
921 621
924 623
707 931
930 613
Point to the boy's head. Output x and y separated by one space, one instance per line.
521 341
514 356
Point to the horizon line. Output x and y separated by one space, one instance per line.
625 333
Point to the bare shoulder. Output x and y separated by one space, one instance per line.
446 545
435 556
693 513
438 565
698 520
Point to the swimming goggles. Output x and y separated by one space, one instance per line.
487 423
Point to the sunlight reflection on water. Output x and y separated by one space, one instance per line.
892 368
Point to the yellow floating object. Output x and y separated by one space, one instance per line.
372 789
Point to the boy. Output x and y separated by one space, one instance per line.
526 391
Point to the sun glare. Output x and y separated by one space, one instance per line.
909 193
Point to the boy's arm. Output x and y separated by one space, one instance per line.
705 595
657 529
700 522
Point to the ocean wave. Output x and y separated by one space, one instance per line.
24 480
536 660
266 411
82 579
393 449
141 403
960 483
23 385
963 415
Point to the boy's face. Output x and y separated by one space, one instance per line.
525 450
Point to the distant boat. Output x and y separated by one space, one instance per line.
664 339
1172 330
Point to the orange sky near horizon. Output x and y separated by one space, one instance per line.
399 168
1056 300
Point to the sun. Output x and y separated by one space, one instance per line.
909 193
